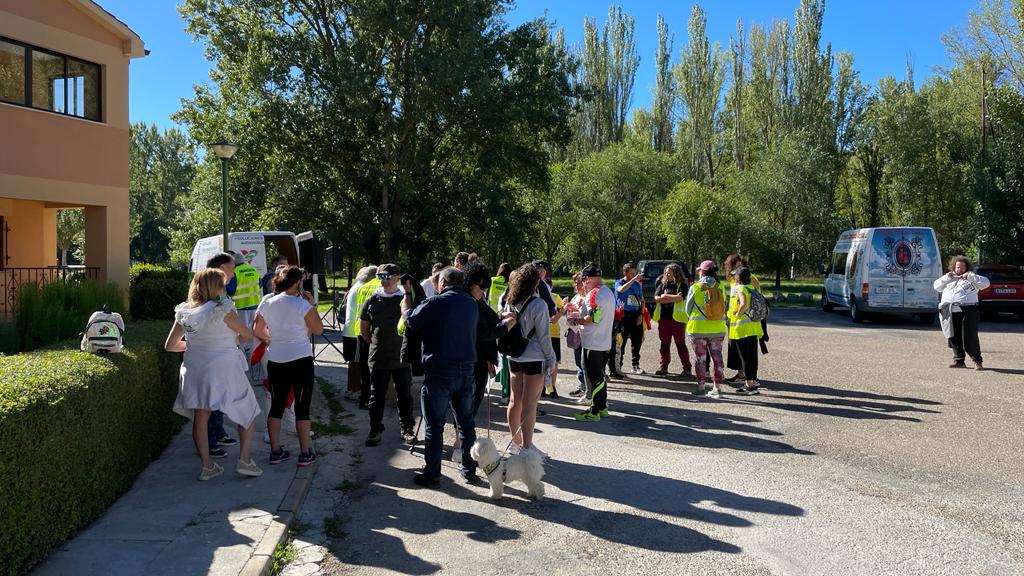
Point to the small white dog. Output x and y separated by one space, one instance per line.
526 467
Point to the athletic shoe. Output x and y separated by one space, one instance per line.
538 452
638 370
209 473
373 439
738 377
686 373
351 395
713 393
218 453
279 455
457 455
958 364
577 392
587 416
584 401
617 375
978 367
421 479
409 435
307 458
661 372
226 441
699 391
249 469
603 413
554 394
747 392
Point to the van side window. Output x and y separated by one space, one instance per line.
839 263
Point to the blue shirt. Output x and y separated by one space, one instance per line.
630 299
447 325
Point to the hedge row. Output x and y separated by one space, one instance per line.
154 291
58 310
75 431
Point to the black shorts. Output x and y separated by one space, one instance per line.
349 345
556 343
528 368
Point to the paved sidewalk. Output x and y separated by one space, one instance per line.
171 523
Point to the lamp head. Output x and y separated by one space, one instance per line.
224 149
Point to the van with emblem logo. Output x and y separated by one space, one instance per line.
884 270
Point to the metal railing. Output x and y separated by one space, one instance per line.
11 280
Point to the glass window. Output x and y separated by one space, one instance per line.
83 87
839 262
12 72
47 81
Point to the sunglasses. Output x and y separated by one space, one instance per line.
385 276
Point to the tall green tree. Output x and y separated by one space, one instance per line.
700 75
161 167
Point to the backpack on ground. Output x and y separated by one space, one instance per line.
513 343
104 333
714 304
758 310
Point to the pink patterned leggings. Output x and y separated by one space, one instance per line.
701 346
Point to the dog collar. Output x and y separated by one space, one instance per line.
492 467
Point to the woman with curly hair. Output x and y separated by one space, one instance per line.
528 368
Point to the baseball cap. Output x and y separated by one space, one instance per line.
707 265
387 271
742 273
239 259
590 270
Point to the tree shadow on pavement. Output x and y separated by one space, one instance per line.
624 528
676 426
372 546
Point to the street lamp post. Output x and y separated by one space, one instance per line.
224 150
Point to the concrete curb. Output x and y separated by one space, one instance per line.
262 559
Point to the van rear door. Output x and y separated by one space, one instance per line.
884 281
923 266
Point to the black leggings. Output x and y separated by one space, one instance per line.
747 348
284 377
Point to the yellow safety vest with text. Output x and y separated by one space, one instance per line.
498 287
247 292
678 311
740 325
364 293
698 324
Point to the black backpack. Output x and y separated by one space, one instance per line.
513 343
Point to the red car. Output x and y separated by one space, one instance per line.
1006 293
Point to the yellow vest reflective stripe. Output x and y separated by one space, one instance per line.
740 325
678 311
698 324
247 292
364 293
498 286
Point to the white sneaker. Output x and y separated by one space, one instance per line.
638 370
713 393
538 452
584 401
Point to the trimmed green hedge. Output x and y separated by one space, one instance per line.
75 431
154 291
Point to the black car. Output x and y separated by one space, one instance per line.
650 271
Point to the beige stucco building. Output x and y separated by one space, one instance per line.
64 126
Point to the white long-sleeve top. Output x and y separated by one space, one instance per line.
957 290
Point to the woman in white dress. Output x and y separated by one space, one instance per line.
206 328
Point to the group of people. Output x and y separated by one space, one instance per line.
225 319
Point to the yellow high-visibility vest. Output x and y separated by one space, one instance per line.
498 287
364 293
247 291
698 324
740 325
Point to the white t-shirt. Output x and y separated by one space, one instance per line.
428 287
601 308
285 316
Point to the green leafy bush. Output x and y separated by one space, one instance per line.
9 340
58 310
75 431
154 291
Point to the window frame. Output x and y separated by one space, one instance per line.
29 49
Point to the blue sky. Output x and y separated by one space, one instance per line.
882 34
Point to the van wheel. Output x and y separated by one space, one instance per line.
926 319
826 305
856 314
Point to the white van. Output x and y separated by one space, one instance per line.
886 270
254 247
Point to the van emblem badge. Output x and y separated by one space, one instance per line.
904 256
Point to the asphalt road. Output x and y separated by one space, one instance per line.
864 454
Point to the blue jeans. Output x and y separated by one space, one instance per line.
445 386
215 428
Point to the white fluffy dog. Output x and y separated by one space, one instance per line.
526 467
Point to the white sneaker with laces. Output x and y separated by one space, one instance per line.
713 393
583 400
638 370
